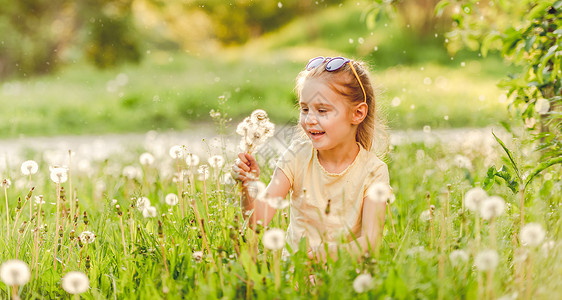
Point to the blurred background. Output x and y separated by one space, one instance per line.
118 66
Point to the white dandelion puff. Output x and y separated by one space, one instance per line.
379 192
363 283
75 282
176 151
532 234
15 273
142 203
425 215
203 172
462 161
216 161
191 160
59 174
492 207
132 172
6 183
458 257
39 199
171 199
474 197
274 239
146 159
149 212
486 260
197 256
547 247
227 179
542 106
29 167
87 237
256 189
255 130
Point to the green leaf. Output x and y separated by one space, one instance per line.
542 166
487 42
539 10
440 7
508 155
544 62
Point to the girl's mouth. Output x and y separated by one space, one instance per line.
316 133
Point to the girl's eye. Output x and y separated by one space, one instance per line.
304 109
322 110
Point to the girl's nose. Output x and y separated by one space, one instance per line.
311 119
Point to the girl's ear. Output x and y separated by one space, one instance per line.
359 113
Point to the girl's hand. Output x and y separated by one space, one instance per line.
246 168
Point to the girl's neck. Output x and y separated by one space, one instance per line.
337 159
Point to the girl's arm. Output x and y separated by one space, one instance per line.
372 226
278 187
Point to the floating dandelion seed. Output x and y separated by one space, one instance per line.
75 282
171 199
458 257
216 161
255 130
274 239
149 212
176 152
15 273
132 172
191 160
492 207
532 235
87 237
203 171
486 260
474 197
379 192
146 159
29 167
39 199
363 283
542 106
59 174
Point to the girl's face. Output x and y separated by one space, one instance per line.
326 116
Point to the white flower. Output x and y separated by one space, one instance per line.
458 257
363 283
274 239
492 207
203 171
542 106
197 255
278 202
176 152
258 115
14 273
532 234
216 161
425 215
191 160
486 260
462 161
39 199
172 199
149 212
142 203
256 189
29 167
6 183
379 192
474 197
146 159
59 174
132 172
75 282
255 130
87 237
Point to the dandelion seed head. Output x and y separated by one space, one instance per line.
458 257
379 192
425 216
146 159
39 199
474 197
486 260
462 161
274 239
15 272
542 106
216 161
532 235
75 282
547 247
6 183
142 203
29 167
363 283
197 256
59 174
191 160
149 212
171 199
132 172
492 207
176 151
87 237
256 189
203 171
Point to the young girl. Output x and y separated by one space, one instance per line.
329 170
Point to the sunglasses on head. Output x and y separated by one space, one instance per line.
334 64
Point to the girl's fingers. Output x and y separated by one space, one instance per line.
243 158
250 158
244 167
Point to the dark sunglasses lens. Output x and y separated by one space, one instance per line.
315 62
336 63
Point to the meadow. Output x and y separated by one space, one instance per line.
156 222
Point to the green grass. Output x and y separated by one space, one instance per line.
176 90
407 266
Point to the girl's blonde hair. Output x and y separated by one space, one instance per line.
371 133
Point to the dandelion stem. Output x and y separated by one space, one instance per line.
529 275
205 197
390 216
57 226
30 202
122 234
7 213
522 206
490 284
